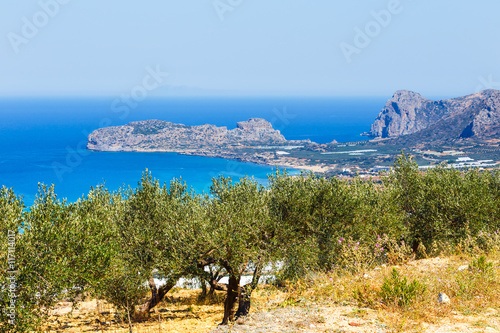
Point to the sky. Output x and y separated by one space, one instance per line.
170 48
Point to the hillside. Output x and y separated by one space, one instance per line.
411 118
306 241
324 304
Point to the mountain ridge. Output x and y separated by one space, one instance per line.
409 117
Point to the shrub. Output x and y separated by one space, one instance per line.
367 295
481 267
488 242
477 280
398 252
398 291
359 256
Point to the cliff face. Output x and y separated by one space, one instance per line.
409 114
158 135
400 115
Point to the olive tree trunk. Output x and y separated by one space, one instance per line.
157 296
233 291
244 298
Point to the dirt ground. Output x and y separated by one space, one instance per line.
269 314
348 319
176 315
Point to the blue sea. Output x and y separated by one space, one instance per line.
43 140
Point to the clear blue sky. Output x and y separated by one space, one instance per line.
249 47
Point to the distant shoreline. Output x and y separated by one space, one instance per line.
294 166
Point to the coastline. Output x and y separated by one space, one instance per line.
296 165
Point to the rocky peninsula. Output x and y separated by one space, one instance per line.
253 140
159 135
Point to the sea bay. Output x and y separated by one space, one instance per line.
43 140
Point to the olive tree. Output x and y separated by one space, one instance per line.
161 234
444 204
240 237
291 210
61 249
315 212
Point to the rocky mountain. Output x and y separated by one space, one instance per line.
411 117
158 135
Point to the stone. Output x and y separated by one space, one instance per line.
491 312
353 323
443 299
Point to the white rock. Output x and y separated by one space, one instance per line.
443 299
463 267
491 312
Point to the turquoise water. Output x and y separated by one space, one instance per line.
43 140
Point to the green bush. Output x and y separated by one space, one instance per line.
397 290
444 206
477 280
481 267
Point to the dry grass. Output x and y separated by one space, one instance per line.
475 297
474 307
180 313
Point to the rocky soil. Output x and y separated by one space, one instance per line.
313 319
344 319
